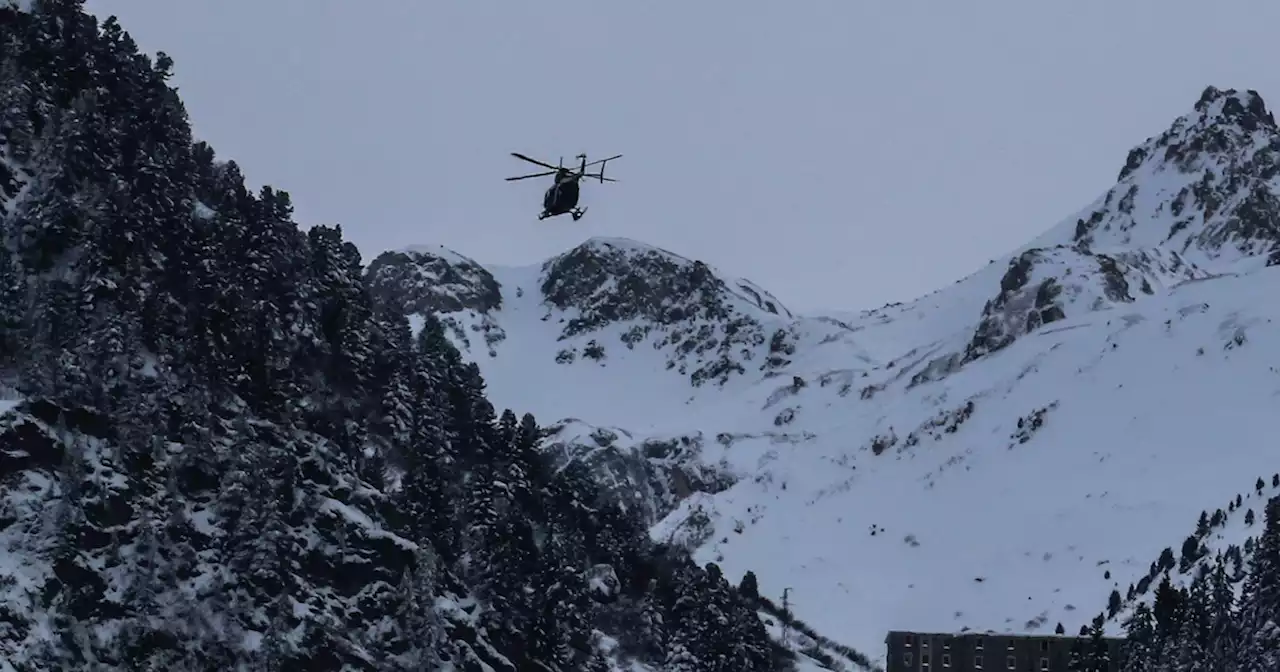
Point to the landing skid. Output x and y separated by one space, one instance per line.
576 213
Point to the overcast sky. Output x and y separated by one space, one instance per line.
840 153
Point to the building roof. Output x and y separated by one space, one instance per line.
992 633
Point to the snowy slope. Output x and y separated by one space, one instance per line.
979 458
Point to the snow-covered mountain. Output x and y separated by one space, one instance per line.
1000 454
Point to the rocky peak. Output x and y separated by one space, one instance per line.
1221 126
1230 106
431 279
609 280
708 324
1197 199
1206 187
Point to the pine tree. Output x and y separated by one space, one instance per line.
1236 560
1191 648
653 632
749 587
1098 654
687 644
430 487
421 626
393 376
1140 640
1222 638
530 469
13 341
1190 553
1260 597
1167 608
507 428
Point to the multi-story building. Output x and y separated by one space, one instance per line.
985 652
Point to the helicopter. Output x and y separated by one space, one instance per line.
562 196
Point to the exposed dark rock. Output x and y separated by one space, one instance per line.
425 282
710 328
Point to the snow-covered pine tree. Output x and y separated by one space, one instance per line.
1260 598
1192 648
1097 656
1223 636
1139 646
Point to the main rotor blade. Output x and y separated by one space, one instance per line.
518 155
531 176
603 160
597 176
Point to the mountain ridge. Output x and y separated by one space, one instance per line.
1193 142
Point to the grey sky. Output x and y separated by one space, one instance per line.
840 153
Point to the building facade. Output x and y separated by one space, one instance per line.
985 652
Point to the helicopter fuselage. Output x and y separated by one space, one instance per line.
561 197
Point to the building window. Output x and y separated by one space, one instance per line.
1044 665
946 645
910 639
906 658
946 660
977 644
1010 647
1011 662
977 662
924 643
924 661
1044 645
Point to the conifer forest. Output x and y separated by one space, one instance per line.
228 455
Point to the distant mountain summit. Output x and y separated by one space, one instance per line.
1201 198
1207 188
433 279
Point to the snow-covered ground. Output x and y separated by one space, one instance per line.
1149 413
998 455
1152 416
